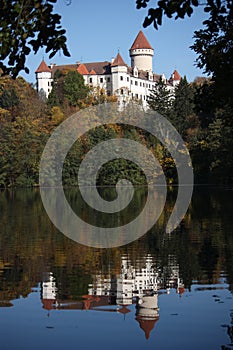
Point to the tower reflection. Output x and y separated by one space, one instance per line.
140 284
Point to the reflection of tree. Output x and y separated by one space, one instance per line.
29 245
208 258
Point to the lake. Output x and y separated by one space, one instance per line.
162 291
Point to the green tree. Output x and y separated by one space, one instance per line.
160 98
9 100
28 25
214 47
74 87
183 106
213 44
204 101
67 87
220 145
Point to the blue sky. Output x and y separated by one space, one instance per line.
97 29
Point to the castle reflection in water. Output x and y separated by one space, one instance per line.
140 285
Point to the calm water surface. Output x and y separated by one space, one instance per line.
160 292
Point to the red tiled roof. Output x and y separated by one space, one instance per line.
98 67
175 75
181 290
146 325
141 42
124 310
43 68
48 304
118 61
92 71
82 69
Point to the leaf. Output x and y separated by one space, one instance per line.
27 25
189 11
207 9
195 2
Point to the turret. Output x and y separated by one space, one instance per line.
141 53
175 78
44 78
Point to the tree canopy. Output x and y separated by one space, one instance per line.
213 44
26 26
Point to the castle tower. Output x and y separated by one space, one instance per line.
120 79
147 313
48 291
141 53
175 78
44 78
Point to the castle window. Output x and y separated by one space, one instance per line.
136 83
108 80
121 77
101 80
90 80
122 91
127 78
140 84
136 95
132 82
143 84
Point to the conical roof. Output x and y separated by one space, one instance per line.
146 325
43 68
118 61
175 75
141 42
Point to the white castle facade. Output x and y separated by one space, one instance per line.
116 77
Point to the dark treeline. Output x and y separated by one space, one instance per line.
27 119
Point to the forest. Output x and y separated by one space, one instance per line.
27 119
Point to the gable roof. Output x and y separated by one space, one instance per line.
86 68
43 68
141 42
92 72
99 67
82 69
118 61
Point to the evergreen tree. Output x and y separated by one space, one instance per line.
204 101
183 106
160 98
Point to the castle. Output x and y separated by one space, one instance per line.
116 77
140 284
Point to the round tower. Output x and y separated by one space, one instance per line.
141 53
44 78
